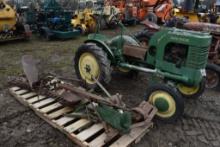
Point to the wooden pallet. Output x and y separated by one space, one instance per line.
81 131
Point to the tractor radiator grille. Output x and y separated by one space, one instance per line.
197 58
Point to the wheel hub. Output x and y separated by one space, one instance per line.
89 67
164 102
161 104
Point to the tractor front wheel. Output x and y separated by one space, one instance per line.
91 62
192 91
167 100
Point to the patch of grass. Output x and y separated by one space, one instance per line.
11 71
62 64
55 56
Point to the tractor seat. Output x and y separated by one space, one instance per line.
150 25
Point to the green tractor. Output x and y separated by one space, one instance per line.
177 57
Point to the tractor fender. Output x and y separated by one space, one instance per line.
104 46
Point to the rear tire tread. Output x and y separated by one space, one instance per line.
103 61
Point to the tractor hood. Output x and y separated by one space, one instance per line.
191 38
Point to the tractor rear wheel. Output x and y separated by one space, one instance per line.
193 91
212 76
91 62
167 100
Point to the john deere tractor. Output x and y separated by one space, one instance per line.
83 18
176 56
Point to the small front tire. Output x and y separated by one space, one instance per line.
167 100
192 91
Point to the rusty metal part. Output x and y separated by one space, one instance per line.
90 96
70 99
205 27
134 51
117 100
30 69
20 82
144 114
23 83
102 87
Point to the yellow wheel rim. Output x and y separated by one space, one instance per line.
169 101
187 90
89 67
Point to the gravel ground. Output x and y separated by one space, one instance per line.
20 127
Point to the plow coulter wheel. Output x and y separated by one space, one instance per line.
192 92
212 76
168 101
91 63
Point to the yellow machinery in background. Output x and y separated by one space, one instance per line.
7 17
84 19
11 26
189 10
191 15
89 17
